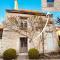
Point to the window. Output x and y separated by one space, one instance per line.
1 31
59 37
24 25
50 0
50 3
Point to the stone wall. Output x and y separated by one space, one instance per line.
9 40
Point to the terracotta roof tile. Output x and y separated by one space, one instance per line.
26 12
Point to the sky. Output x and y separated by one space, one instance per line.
34 5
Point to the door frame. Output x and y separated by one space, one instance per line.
20 44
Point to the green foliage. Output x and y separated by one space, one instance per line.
33 53
9 54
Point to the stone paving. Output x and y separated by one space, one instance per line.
25 57
35 59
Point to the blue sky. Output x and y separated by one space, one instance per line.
35 5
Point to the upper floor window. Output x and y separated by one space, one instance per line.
50 3
23 25
1 31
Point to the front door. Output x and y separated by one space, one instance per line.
23 44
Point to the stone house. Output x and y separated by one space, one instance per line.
21 32
24 29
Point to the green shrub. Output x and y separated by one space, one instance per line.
33 53
9 54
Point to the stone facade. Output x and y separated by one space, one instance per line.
12 34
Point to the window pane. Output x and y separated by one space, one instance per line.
21 24
59 37
25 24
50 4
1 31
50 0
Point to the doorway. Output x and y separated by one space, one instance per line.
23 44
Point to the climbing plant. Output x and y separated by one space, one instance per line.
35 24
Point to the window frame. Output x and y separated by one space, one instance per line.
23 25
50 3
1 32
59 37
50 0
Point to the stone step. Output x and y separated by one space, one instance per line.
23 56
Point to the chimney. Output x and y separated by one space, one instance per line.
15 5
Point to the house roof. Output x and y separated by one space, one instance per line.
26 12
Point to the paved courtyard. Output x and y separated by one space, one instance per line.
45 57
26 58
35 59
